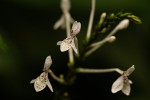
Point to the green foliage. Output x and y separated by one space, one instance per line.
129 16
112 19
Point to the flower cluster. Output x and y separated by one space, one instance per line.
70 44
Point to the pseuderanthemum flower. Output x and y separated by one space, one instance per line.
42 80
123 83
71 41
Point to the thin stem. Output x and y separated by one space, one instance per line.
112 32
90 21
97 45
67 18
106 38
122 25
100 43
76 44
91 51
70 51
58 79
71 57
86 70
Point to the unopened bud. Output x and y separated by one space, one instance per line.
103 16
111 39
123 24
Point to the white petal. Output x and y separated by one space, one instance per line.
32 81
43 76
49 85
130 82
59 42
76 27
126 88
59 23
129 71
39 85
74 47
48 63
40 82
64 46
117 85
76 43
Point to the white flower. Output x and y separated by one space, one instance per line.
71 41
123 83
67 43
41 81
62 22
65 6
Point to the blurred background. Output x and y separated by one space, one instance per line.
27 38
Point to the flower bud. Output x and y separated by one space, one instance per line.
123 24
111 39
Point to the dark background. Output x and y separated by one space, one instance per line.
27 37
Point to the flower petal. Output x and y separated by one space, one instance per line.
74 47
49 85
117 85
39 85
48 63
32 81
60 22
59 42
129 71
126 88
130 82
76 43
43 76
65 45
76 27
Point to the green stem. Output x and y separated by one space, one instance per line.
88 35
97 45
58 79
87 70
